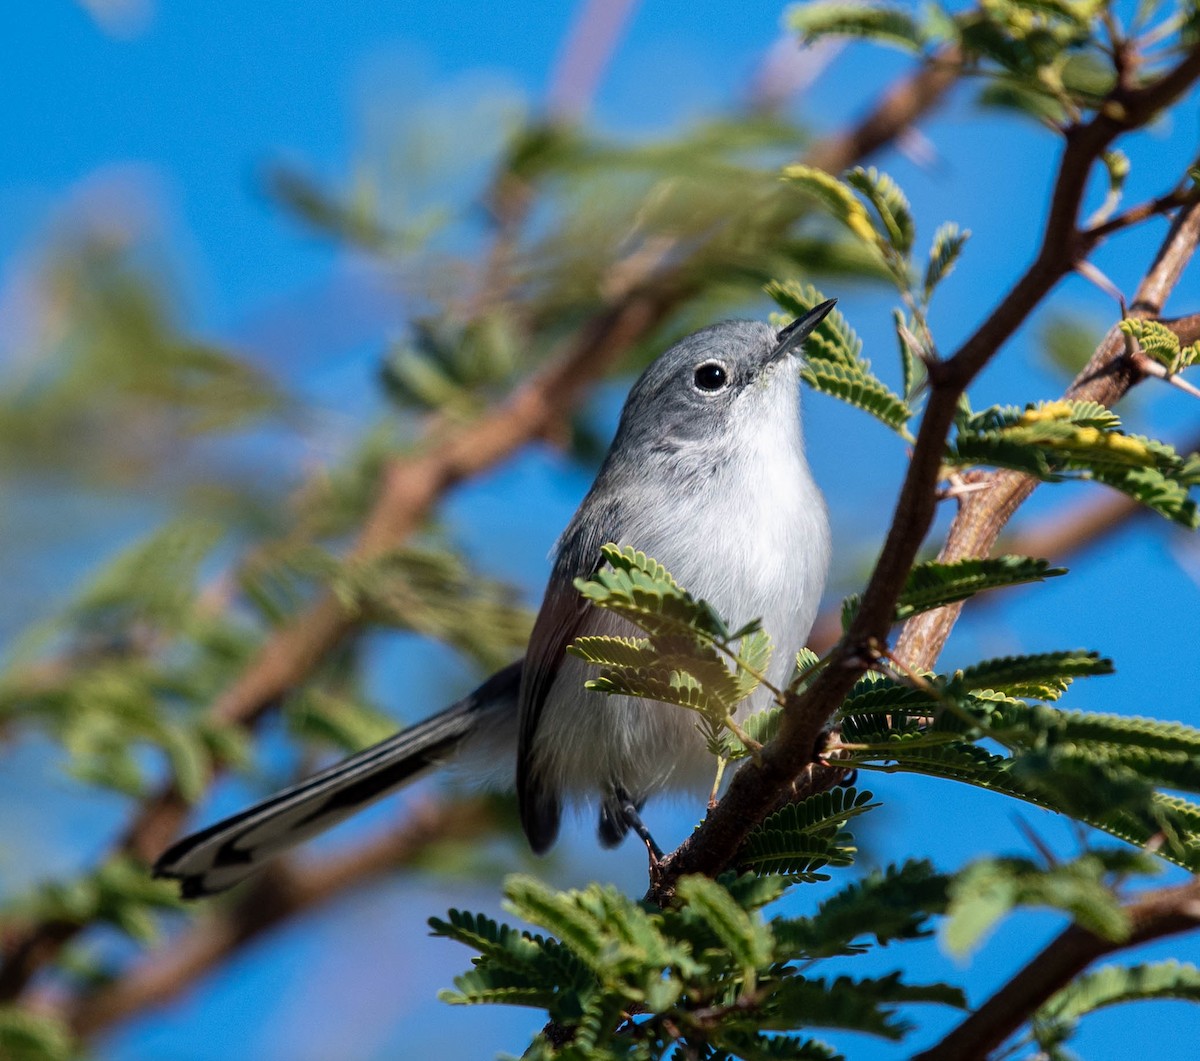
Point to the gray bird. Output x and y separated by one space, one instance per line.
707 474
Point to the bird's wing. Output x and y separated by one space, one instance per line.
559 622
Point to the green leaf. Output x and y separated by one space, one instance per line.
1040 677
882 23
641 590
119 893
1111 985
28 1036
153 582
747 940
1159 342
801 838
833 361
756 1047
346 722
861 1005
948 243
912 368
666 687
890 203
752 892
1063 440
837 197
867 393
934 584
888 905
1084 783
989 889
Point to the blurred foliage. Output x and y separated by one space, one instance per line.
1067 342
115 388
112 393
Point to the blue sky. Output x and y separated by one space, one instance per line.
176 124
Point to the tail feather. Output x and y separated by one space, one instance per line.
221 855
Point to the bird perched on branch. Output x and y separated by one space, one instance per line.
707 474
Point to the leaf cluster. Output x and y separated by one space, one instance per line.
1110 985
112 385
833 361
1119 774
425 589
116 893
1048 59
132 663
875 210
1062 440
619 979
690 658
1162 344
935 584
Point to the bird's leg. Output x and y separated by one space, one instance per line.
633 819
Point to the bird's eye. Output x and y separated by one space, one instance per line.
711 376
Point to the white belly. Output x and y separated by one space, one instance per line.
767 561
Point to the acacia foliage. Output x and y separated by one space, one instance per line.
124 677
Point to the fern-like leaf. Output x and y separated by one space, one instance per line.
1081 440
836 196
861 1005
833 361
1040 677
801 838
883 23
747 940
890 203
867 393
1111 985
886 905
989 889
1158 341
948 243
933 584
641 590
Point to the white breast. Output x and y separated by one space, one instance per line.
751 538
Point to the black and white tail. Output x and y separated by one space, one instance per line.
224 854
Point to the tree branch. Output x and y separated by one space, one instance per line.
1163 912
983 513
757 787
285 890
895 111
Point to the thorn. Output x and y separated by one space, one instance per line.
1035 841
959 487
928 357
1089 272
1149 367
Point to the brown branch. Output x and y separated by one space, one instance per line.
1135 215
285 890
983 514
896 110
597 27
412 486
1164 912
757 787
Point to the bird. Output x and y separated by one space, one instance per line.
707 474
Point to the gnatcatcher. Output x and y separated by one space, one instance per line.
707 474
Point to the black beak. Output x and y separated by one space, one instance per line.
801 328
